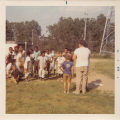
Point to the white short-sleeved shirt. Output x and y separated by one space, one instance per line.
48 56
60 60
35 55
26 61
82 54
42 61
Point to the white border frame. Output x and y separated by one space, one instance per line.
4 116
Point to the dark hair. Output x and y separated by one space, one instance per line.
36 47
31 49
28 53
47 49
83 42
60 52
66 48
10 48
42 52
68 57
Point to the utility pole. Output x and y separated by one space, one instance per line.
32 36
85 28
25 49
104 32
14 34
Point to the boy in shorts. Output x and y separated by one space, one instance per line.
68 71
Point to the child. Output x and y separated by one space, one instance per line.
48 56
59 61
67 68
27 66
20 59
16 75
53 61
9 60
42 65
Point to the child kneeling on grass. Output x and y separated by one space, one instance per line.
68 71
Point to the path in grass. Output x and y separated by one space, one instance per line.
102 74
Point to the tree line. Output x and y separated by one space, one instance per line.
65 33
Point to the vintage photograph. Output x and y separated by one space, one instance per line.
60 59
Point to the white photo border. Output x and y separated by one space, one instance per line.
3 115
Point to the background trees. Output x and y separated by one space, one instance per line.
22 30
65 33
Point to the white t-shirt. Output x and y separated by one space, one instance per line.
35 55
60 60
19 55
42 61
26 61
48 56
82 56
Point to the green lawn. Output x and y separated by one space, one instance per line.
36 97
104 66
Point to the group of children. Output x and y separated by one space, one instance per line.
21 63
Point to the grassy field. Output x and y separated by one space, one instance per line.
104 66
36 97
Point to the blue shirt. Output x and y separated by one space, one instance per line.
67 65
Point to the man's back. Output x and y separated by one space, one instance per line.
82 54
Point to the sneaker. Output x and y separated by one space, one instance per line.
75 92
68 92
65 92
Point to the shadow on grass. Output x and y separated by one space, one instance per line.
92 85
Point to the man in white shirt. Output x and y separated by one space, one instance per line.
82 57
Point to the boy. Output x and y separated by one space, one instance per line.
53 60
48 57
27 66
35 55
67 68
59 61
20 59
42 65
9 60
16 75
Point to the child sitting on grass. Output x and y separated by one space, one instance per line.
68 71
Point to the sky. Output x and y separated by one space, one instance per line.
48 15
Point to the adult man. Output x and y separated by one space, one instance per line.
82 56
65 52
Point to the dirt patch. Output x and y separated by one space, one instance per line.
100 82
